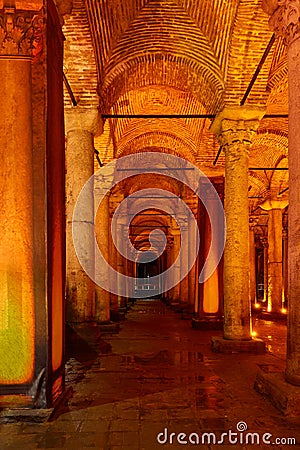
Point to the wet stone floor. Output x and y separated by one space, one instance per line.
157 384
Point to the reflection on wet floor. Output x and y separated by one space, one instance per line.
159 372
164 357
274 334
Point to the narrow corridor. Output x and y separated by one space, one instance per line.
156 374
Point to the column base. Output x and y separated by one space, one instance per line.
109 327
207 323
34 415
273 316
86 332
188 312
117 316
221 345
283 395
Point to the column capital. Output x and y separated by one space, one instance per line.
21 31
237 124
264 241
253 221
83 119
270 204
285 18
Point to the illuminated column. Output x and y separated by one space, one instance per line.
17 310
275 281
81 126
176 249
275 260
235 127
285 21
31 207
121 264
184 260
192 273
102 296
285 263
174 253
210 294
252 268
264 241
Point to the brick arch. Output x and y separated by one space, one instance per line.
169 69
162 140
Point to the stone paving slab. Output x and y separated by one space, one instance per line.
159 373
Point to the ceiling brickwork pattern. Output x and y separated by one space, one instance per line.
179 57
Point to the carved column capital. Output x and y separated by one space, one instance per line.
21 32
264 241
236 125
253 221
83 119
285 18
276 203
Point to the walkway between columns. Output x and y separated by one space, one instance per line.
158 373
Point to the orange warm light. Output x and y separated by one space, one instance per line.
253 333
256 305
16 326
57 301
283 310
211 294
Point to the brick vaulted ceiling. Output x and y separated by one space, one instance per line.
178 57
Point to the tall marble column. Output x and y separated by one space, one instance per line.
81 125
275 261
17 302
285 264
235 127
174 253
252 267
192 272
275 280
102 296
264 241
184 260
285 21
31 207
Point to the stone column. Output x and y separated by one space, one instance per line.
285 264
275 261
17 290
235 127
102 300
264 241
81 126
184 260
252 268
175 291
192 273
285 21
274 207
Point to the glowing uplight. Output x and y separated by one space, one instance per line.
253 333
256 305
283 310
